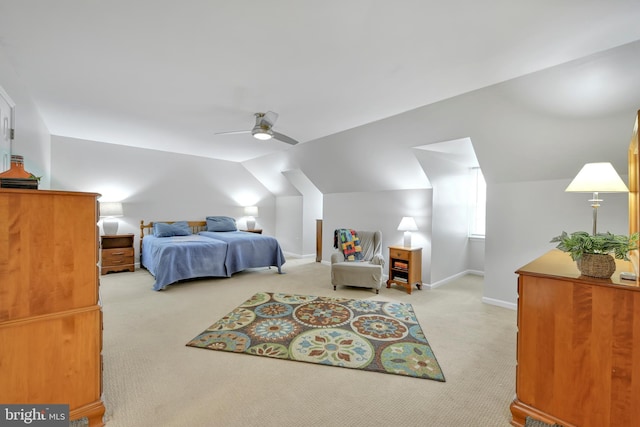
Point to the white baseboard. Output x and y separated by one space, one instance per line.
490 301
476 272
292 255
500 303
452 278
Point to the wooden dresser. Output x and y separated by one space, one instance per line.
578 350
50 317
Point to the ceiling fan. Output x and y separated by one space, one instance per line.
263 129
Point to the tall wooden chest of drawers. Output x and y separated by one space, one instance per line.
50 317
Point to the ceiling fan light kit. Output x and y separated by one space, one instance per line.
262 134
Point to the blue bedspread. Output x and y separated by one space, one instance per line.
248 250
170 259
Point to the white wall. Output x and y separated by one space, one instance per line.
289 224
451 182
523 217
450 226
32 140
380 210
475 255
311 209
159 186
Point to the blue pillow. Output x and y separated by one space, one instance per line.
163 229
181 228
221 223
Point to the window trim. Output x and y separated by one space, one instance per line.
477 201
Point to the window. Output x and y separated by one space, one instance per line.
478 204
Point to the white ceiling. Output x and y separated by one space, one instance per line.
169 75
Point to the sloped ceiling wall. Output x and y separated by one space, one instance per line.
542 126
368 158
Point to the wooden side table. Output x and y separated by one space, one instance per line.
255 230
117 253
405 267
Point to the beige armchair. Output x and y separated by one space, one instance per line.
367 273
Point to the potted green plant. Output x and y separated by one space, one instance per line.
594 254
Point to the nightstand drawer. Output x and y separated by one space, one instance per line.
117 256
399 254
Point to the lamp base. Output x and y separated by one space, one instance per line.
251 224
407 239
110 227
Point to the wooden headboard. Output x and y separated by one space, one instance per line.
634 181
146 229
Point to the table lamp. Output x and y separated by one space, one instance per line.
597 178
251 212
110 210
407 224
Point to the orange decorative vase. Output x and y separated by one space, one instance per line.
17 169
17 177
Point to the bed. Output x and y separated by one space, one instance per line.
248 250
179 250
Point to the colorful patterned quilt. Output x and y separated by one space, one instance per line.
347 241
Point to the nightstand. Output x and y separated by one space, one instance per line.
405 267
255 230
116 253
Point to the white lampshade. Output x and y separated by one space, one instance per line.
598 178
251 211
111 209
408 224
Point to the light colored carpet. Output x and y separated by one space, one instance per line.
152 378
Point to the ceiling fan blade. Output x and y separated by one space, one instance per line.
284 138
270 118
233 132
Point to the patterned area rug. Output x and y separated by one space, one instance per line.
359 334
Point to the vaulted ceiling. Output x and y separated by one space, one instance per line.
170 75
